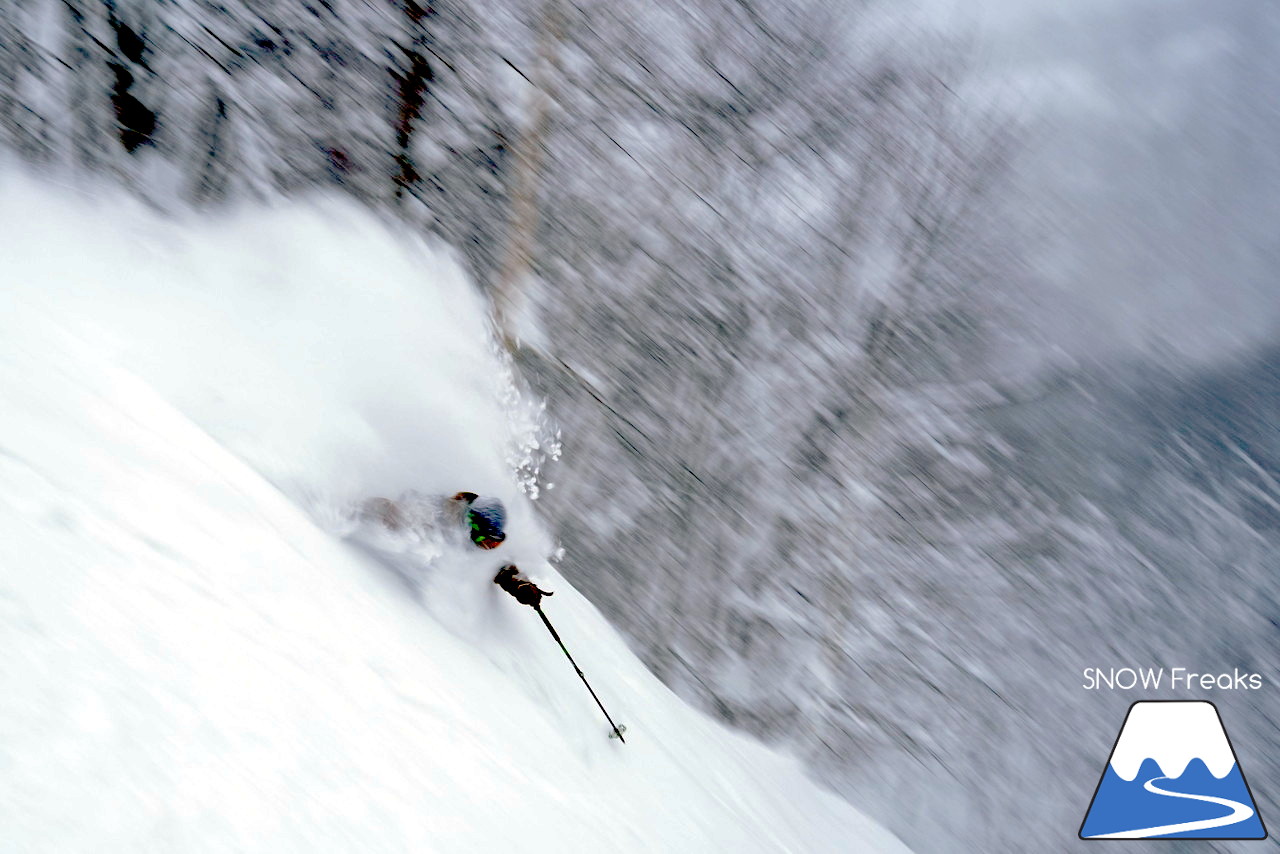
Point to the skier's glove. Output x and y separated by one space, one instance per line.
512 580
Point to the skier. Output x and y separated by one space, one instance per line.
483 517
515 582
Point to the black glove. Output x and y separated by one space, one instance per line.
512 580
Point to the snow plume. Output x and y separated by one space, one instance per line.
192 664
324 349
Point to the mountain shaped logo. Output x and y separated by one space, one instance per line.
1172 774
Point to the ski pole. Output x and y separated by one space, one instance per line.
556 635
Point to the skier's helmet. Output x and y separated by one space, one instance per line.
486 518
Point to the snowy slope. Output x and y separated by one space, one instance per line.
194 660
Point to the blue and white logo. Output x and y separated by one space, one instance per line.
1172 775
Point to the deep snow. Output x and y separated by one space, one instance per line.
199 653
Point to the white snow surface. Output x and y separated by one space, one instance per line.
192 656
1172 733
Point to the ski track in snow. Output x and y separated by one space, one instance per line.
1239 812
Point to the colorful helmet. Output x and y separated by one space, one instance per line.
486 517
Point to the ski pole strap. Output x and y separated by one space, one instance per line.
578 670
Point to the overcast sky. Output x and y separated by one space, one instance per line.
1154 156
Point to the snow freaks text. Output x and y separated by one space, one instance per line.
1154 678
